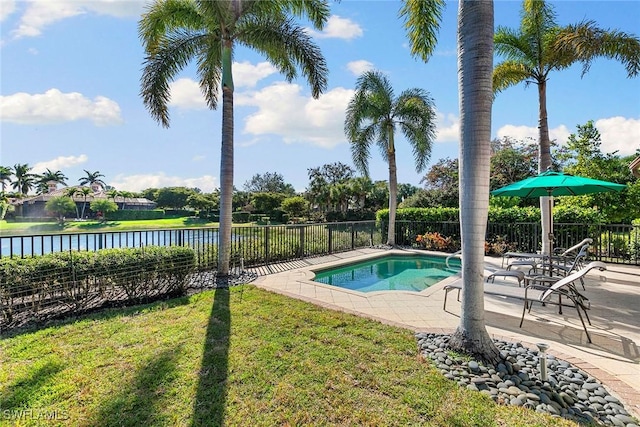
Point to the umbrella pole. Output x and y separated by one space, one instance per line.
550 233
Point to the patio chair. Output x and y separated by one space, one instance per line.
564 268
532 259
563 288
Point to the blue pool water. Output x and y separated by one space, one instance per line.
390 273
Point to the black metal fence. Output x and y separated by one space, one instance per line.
262 245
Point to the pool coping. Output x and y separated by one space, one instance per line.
310 272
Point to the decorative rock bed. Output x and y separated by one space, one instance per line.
568 392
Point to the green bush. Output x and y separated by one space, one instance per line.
563 213
130 215
241 217
634 243
73 282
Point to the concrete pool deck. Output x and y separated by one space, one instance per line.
613 357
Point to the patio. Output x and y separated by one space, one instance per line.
613 357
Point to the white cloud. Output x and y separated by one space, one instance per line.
54 106
619 134
525 133
246 74
7 7
338 28
285 112
448 127
60 163
41 13
206 183
359 67
185 93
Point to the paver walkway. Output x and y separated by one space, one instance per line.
613 357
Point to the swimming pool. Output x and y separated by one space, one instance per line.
390 273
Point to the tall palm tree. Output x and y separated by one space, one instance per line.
541 46
25 180
5 176
92 178
374 113
175 32
475 66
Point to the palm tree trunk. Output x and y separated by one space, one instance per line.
226 165
544 163
475 67
393 191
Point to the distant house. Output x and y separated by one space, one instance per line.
34 207
635 167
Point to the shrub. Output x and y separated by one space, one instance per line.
36 288
130 214
634 243
435 241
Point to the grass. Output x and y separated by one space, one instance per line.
89 226
237 358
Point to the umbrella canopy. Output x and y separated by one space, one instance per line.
552 183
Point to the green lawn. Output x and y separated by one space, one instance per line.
89 226
243 357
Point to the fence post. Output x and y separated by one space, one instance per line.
353 236
266 243
329 249
301 248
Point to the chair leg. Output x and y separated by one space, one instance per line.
582 320
524 310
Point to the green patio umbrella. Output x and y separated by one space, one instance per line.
552 183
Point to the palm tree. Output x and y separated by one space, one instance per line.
50 177
373 115
539 47
84 192
174 32
5 176
71 192
475 62
475 66
25 180
92 178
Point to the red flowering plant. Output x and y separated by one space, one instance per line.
434 241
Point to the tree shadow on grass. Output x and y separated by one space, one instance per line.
18 394
137 403
210 400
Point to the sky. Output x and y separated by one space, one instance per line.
70 81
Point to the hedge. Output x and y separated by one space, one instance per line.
564 214
54 285
130 214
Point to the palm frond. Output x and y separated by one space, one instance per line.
422 21
585 41
361 148
210 70
165 16
172 54
510 73
513 45
317 11
415 114
537 17
288 47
